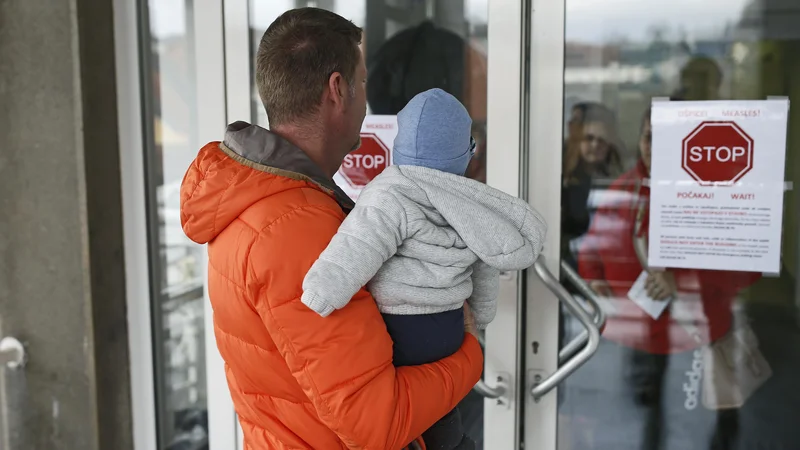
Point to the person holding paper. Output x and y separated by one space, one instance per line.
611 259
658 319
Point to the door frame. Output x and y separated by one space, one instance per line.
506 85
236 67
544 167
134 207
212 118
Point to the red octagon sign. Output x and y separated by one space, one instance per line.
363 165
717 153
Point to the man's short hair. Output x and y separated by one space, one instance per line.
297 55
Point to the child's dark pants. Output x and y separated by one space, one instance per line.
423 339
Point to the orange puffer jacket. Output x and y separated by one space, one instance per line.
300 381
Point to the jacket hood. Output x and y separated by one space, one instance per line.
228 177
502 230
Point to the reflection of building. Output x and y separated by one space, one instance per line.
174 83
625 74
753 55
769 19
178 320
767 38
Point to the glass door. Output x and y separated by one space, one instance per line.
717 367
470 48
169 332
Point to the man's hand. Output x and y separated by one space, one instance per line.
601 288
469 321
661 285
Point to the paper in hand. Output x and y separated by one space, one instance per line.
638 294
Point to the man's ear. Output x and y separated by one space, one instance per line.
337 89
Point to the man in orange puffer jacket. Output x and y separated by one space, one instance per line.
265 203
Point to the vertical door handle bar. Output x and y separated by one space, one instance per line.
599 315
573 305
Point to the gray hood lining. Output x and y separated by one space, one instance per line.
261 149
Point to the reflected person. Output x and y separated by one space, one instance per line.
612 257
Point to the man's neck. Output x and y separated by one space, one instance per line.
312 142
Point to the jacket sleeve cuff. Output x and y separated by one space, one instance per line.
317 304
482 318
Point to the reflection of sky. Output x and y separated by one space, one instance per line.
599 20
587 20
265 11
168 17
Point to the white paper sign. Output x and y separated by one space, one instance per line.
375 154
717 182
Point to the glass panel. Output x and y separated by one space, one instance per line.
176 277
652 385
411 46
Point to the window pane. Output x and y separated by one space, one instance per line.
654 384
176 279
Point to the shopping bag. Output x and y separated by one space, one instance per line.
733 369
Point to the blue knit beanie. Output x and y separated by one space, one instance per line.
434 131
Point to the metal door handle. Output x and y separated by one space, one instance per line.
599 315
12 353
487 391
492 392
571 365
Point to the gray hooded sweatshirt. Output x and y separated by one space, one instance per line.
424 241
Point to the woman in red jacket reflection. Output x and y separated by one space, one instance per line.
611 260
699 310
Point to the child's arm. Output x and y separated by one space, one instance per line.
485 288
368 237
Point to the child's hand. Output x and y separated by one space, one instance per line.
469 321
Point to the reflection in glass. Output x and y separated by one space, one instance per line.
411 46
718 368
176 280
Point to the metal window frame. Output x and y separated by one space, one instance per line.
150 217
134 204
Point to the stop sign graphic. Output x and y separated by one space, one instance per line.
363 165
717 153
